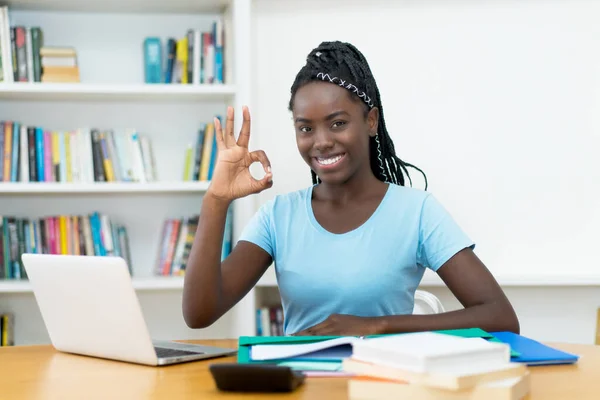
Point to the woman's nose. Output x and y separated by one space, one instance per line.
323 140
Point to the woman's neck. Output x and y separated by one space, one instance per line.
355 188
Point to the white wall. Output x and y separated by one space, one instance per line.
498 101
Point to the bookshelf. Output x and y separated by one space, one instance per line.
150 283
106 187
112 94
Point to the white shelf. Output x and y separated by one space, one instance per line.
103 187
108 92
158 283
176 283
150 283
121 6
511 280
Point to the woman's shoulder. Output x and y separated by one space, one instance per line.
408 194
286 201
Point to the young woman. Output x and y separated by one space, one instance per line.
350 250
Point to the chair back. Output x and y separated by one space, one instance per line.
427 303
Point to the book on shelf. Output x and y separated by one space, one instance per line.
25 58
59 64
176 240
7 331
93 235
269 320
35 154
201 156
197 57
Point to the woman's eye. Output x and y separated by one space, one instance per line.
337 124
305 129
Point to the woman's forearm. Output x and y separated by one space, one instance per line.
491 317
202 290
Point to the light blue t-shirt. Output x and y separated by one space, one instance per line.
372 270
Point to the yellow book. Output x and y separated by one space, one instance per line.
209 136
182 57
62 226
55 156
5 330
187 167
108 168
67 139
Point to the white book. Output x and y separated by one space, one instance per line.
265 321
73 136
209 63
122 153
29 52
128 146
106 232
89 156
81 156
138 161
59 62
506 389
430 352
281 351
6 45
147 158
452 381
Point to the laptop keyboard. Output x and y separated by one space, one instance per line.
162 352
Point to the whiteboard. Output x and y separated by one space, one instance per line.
497 101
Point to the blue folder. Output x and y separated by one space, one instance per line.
533 352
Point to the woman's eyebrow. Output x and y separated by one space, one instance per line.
329 117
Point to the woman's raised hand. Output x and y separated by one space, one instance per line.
231 178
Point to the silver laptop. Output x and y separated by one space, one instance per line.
90 307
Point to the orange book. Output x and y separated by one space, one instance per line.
8 128
176 224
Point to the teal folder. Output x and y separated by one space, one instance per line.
246 342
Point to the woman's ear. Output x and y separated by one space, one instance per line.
373 121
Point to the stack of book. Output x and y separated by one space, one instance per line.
94 234
269 321
198 57
200 157
430 365
19 51
176 240
59 64
38 154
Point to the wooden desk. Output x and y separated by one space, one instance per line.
39 372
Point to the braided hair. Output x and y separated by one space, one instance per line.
344 65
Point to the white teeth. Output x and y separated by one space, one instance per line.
329 161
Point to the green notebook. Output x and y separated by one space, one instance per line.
246 342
